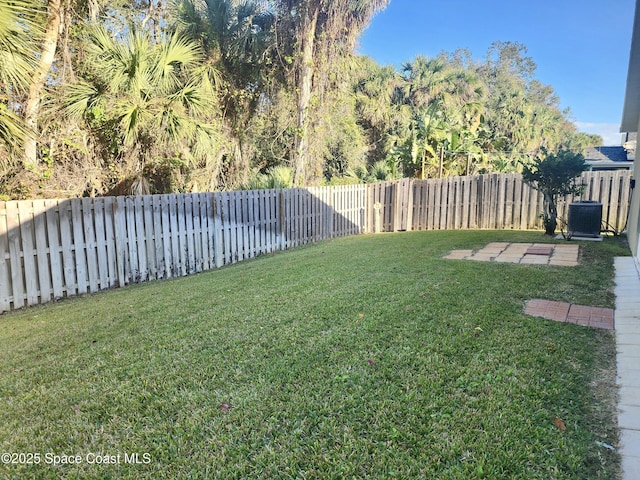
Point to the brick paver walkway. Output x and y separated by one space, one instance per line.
595 317
564 255
561 254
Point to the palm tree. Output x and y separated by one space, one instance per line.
156 96
381 115
314 35
234 36
18 32
46 55
448 104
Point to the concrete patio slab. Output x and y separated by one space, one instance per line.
630 395
627 292
534 260
523 253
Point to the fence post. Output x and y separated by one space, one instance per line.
396 203
120 234
281 213
376 217
409 207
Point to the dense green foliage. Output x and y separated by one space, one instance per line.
208 94
363 357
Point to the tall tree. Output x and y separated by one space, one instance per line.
448 101
19 29
235 37
379 107
523 115
313 36
55 13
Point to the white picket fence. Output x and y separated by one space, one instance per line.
51 249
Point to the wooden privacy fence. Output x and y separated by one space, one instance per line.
51 249
496 201
58 248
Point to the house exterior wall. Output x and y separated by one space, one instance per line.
633 222
631 123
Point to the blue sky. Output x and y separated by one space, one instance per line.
581 47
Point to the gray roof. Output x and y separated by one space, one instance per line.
610 154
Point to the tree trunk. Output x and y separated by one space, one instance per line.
305 83
32 105
550 215
94 11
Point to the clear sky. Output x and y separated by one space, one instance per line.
581 47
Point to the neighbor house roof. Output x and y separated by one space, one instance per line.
631 108
606 154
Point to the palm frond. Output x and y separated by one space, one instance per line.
173 56
79 97
13 131
19 34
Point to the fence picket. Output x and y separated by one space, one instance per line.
5 271
69 259
224 215
261 210
253 224
204 237
163 224
247 230
456 208
79 247
189 234
55 248
610 205
25 213
473 207
120 232
158 237
139 240
149 237
183 248
623 205
89 245
218 239
111 240
236 243
15 253
42 251
101 243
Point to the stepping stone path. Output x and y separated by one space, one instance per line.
564 255
595 317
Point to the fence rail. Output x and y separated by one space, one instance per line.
50 249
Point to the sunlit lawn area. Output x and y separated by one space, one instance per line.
362 357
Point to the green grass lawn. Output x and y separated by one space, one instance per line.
363 357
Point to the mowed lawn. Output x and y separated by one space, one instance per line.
362 357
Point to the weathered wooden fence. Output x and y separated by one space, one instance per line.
51 249
496 201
